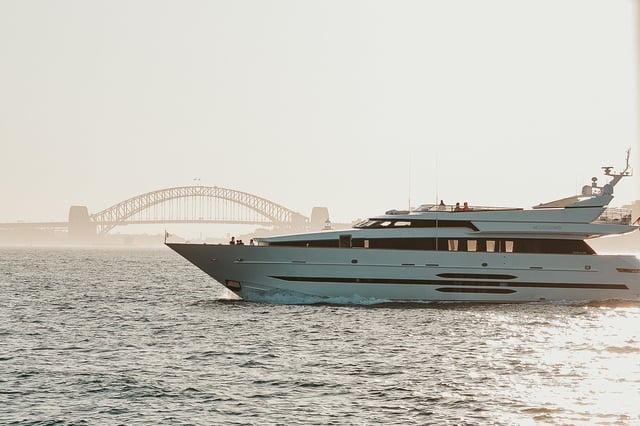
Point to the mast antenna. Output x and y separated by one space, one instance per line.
409 198
619 175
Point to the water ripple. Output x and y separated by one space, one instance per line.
106 336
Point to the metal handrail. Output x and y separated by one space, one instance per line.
615 215
451 208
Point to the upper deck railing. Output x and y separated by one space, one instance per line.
452 208
615 216
611 215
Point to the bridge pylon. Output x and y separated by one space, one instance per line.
81 227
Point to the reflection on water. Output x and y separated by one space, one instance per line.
124 336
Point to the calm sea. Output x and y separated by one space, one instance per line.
139 336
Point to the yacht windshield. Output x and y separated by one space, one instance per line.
400 223
380 223
366 224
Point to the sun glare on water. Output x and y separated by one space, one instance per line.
588 365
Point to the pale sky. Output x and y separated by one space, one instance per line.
359 106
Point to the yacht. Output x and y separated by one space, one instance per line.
440 253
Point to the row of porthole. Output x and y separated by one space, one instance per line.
484 264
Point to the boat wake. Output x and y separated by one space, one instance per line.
612 303
285 297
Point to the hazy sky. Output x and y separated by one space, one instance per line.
353 105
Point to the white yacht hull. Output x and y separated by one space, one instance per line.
352 275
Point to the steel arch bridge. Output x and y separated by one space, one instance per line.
197 204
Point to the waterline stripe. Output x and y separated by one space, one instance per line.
475 290
472 276
352 280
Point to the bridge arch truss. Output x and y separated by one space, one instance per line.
197 204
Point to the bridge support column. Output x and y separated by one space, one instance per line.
319 218
81 228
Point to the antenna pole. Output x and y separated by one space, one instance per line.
437 203
409 199
637 50
437 195
617 176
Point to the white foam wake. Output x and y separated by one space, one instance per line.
285 297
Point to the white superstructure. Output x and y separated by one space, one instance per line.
440 253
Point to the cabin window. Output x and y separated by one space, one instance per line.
344 241
402 223
508 246
372 223
365 224
550 246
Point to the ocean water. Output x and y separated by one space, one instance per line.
139 336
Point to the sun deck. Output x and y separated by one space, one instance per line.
611 215
457 208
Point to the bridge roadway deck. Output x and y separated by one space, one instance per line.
65 225
34 225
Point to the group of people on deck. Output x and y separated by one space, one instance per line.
464 208
235 242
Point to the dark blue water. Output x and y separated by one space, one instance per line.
114 336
